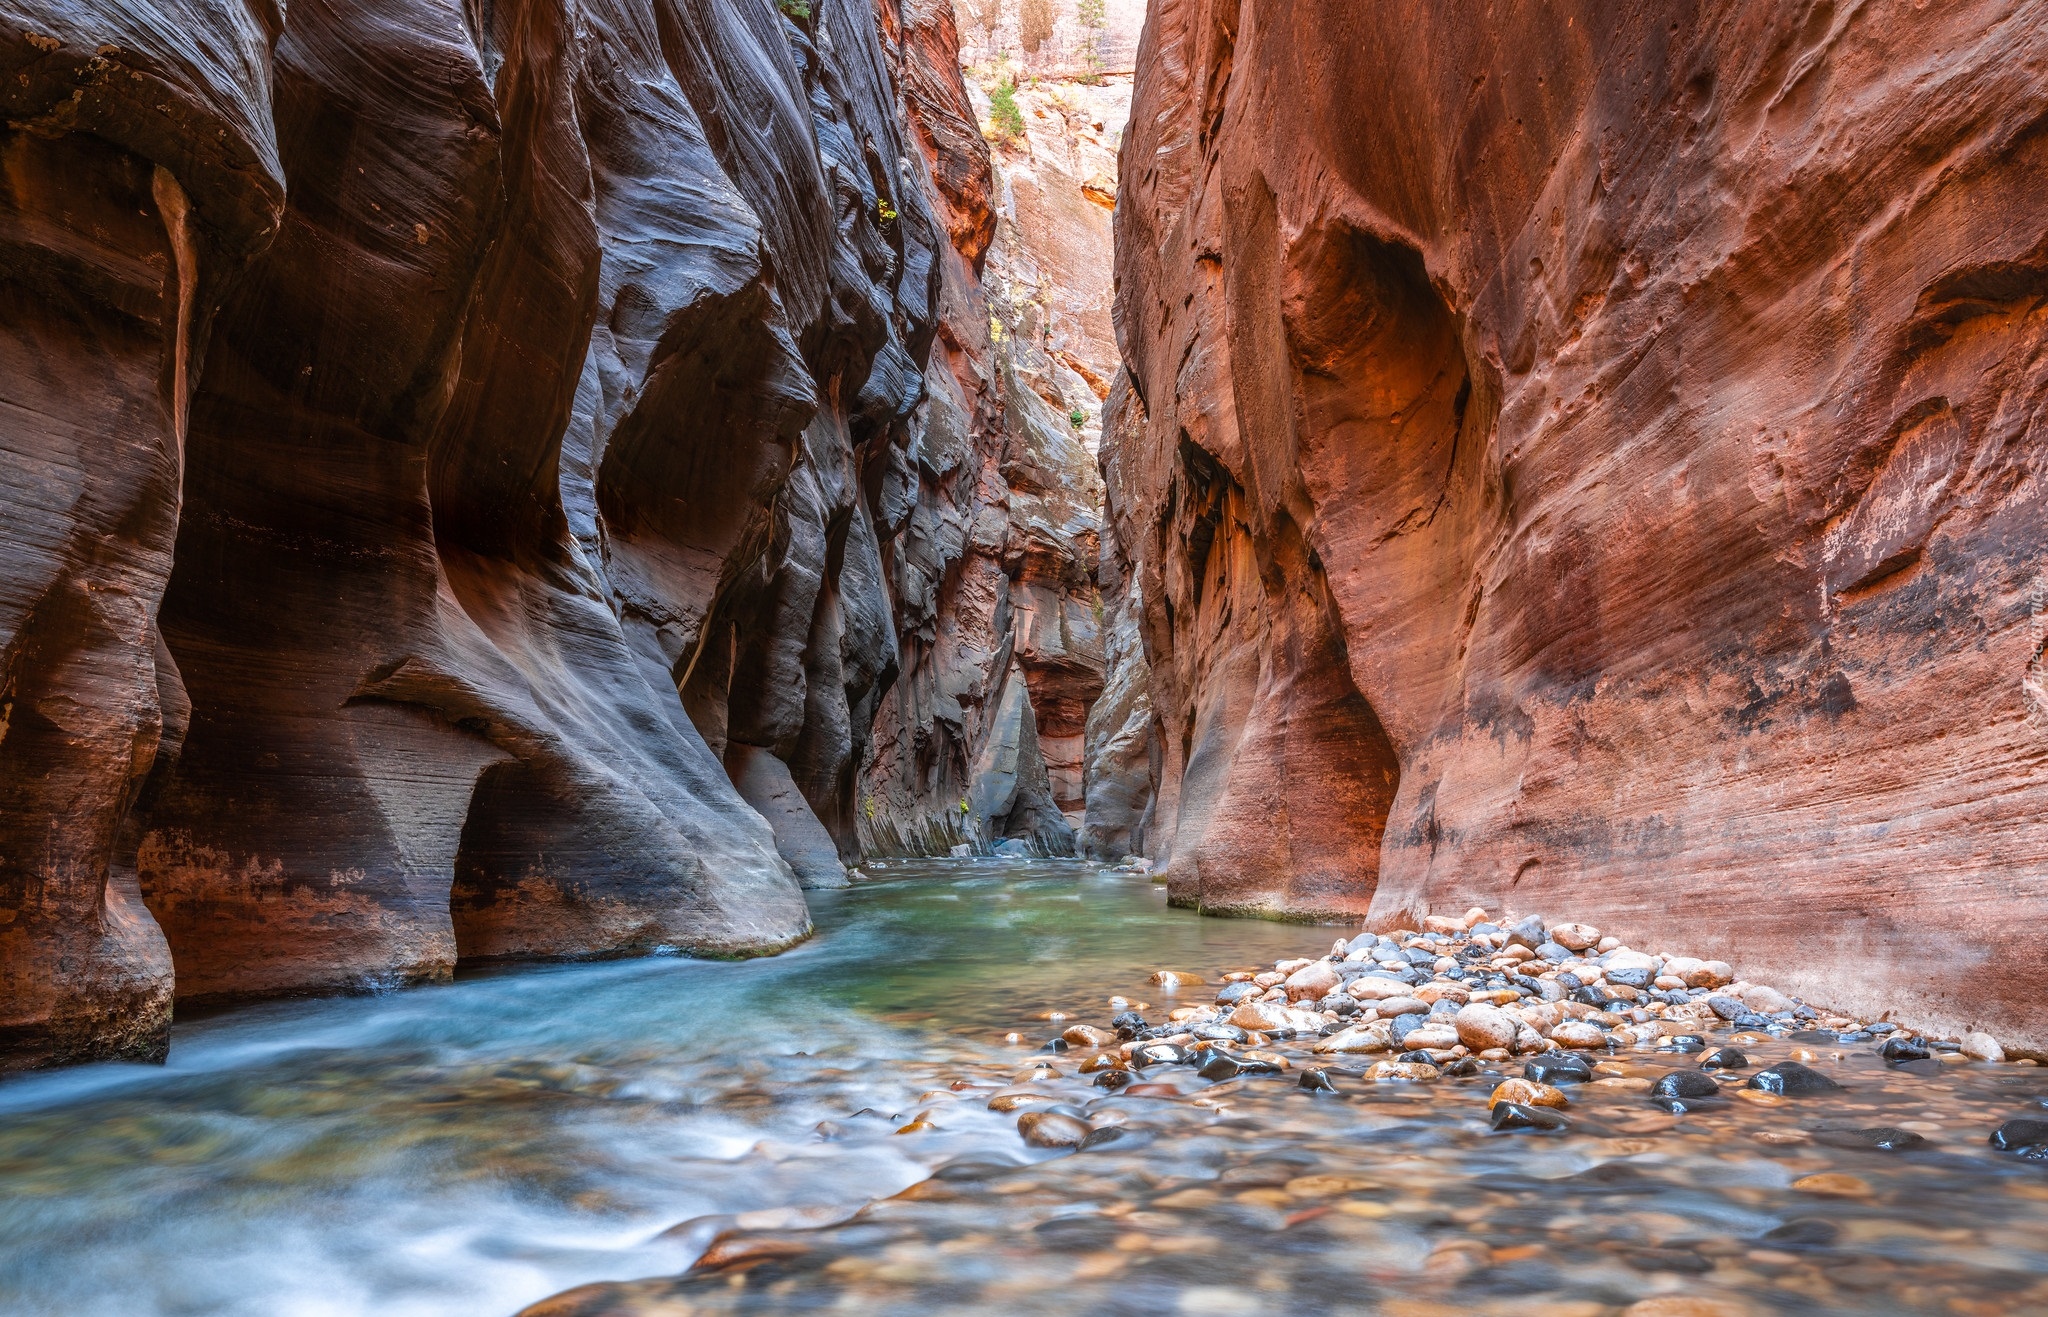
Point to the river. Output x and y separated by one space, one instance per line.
472 1149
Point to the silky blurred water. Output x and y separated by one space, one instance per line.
478 1148
471 1148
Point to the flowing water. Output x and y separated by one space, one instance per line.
475 1148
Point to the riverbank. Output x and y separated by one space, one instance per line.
1469 1118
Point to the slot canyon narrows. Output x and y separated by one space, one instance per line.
1205 656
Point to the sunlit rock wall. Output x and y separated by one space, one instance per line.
1052 39
983 739
453 485
1586 458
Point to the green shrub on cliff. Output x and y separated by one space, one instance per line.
1003 113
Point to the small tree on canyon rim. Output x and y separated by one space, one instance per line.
1094 18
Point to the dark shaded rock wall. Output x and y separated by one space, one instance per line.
1586 458
512 407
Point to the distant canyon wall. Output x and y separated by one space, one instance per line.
1052 39
467 479
983 740
1587 458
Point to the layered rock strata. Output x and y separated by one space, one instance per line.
512 407
1589 456
983 740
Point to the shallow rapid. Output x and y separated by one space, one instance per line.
476 1148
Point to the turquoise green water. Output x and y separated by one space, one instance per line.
469 1149
594 1129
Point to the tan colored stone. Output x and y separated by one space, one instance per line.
1482 1026
1313 981
1363 1038
1578 1035
1982 1047
1529 1093
1575 937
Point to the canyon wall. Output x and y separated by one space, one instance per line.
461 473
982 742
1056 40
1586 458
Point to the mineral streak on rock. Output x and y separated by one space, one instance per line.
450 448
1589 455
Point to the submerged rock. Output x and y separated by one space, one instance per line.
1508 1116
1052 1129
1791 1079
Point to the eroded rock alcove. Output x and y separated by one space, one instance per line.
491 481
1588 459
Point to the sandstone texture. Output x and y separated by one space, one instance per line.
985 738
1052 39
460 469
1588 457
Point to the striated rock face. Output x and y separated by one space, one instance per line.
513 408
140 173
983 738
1586 459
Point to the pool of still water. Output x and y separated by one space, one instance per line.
476 1148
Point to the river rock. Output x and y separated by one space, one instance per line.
1157 1053
1385 1071
1434 1035
1528 1093
1727 1008
1172 979
1007 1102
1088 1037
1724 1058
1258 1016
1558 1068
1375 987
1315 1079
1051 1129
1579 1035
1765 1000
1898 1051
1358 1038
1791 1079
1685 1084
1483 1027
2017 1134
1687 1305
1982 1047
1313 981
1575 937
1881 1138
1508 1116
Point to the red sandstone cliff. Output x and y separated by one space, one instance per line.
457 461
1587 458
